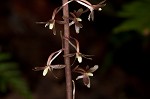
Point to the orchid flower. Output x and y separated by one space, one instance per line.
49 61
51 23
85 74
91 7
99 5
76 19
77 54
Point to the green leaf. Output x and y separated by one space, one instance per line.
137 17
4 56
11 78
8 66
3 85
20 86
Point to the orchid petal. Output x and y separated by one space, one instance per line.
46 24
79 12
80 77
77 28
79 70
91 16
89 74
58 52
93 69
51 58
86 80
74 89
45 71
71 23
38 68
57 66
89 84
86 5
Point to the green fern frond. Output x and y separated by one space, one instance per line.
137 17
11 77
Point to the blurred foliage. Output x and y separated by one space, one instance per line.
137 17
10 77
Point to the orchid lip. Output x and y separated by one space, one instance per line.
79 59
45 71
99 9
79 19
51 26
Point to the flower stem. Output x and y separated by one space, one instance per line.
66 51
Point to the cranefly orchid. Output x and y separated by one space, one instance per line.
85 73
67 20
91 7
77 54
49 61
76 19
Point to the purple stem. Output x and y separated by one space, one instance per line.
66 51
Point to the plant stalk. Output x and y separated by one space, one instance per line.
66 51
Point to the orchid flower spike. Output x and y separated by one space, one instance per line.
85 73
49 61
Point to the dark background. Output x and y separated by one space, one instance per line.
123 59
